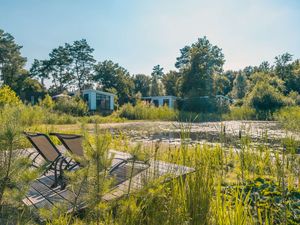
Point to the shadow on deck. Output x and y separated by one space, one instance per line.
41 195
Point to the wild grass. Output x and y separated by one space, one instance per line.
146 111
229 186
244 185
289 117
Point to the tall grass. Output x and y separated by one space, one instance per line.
289 117
247 185
145 111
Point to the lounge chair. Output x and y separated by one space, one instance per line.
73 143
48 151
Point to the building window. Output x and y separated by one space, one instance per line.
166 102
155 102
86 97
102 102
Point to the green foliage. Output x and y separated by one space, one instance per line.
198 63
240 113
240 86
271 79
40 69
221 84
58 68
171 82
142 84
156 88
82 62
11 61
28 88
144 111
282 66
74 106
289 117
47 102
8 96
265 98
15 175
110 75
71 64
203 105
266 196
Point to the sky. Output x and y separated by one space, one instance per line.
139 34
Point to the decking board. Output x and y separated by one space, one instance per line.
41 195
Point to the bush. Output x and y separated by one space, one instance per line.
144 111
8 97
266 99
289 117
74 106
47 102
240 113
203 105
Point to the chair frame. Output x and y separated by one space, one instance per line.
74 136
59 160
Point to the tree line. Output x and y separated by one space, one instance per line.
199 72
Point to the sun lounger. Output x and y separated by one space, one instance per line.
48 151
73 143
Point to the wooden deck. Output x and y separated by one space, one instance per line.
41 195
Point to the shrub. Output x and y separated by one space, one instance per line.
289 117
74 106
47 102
143 111
8 96
240 113
203 105
266 99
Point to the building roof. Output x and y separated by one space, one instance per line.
99 92
167 96
61 96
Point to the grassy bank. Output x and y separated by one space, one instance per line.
252 185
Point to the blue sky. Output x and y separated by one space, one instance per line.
139 34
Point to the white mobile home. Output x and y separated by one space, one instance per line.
170 101
99 100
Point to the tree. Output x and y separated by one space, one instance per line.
11 61
30 89
110 75
82 62
171 82
183 60
60 68
47 102
142 84
265 98
248 70
283 67
293 84
269 78
40 70
240 86
198 63
264 67
71 64
156 86
8 97
221 84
